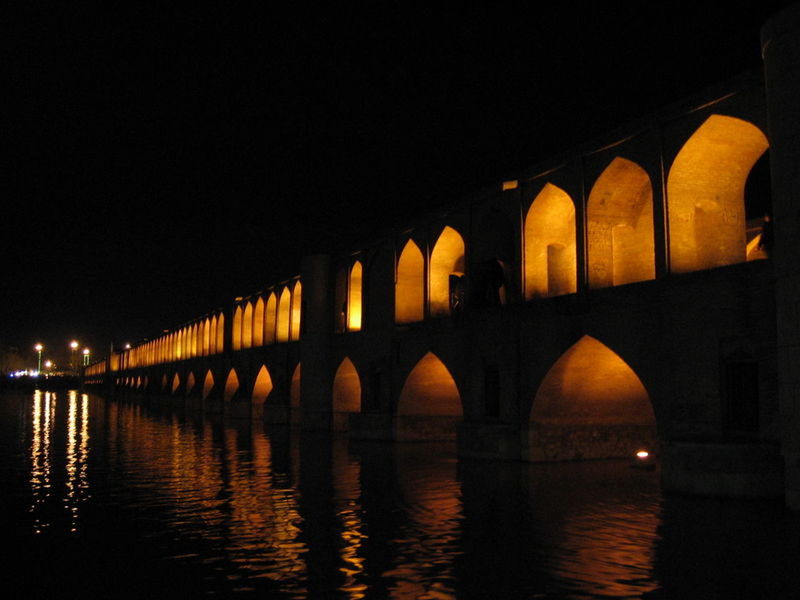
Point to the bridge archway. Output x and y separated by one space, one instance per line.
208 384
231 386
258 323
247 326
446 273
706 194
220 345
296 317
354 297
263 386
176 383
190 382
590 404
284 315
346 394
409 290
236 333
429 405
164 382
621 242
550 250
270 318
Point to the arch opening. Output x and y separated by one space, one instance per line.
190 382
550 249
262 387
621 243
176 383
591 404
208 384
231 386
258 323
708 224
409 290
247 326
354 298
236 334
430 404
346 394
284 310
446 273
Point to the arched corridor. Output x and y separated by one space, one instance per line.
429 405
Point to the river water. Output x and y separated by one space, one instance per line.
121 499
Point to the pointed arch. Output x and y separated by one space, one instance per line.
591 384
409 295
297 303
258 323
247 325
550 249
164 382
430 389
284 315
270 319
346 388
208 384
231 386
138 382
190 381
705 192
447 269
193 349
354 297
262 387
207 328
591 404
220 347
236 334
294 388
621 243
176 382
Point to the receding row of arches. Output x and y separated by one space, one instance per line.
203 338
706 220
261 322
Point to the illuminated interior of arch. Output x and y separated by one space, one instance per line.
591 385
207 337
346 388
430 390
447 259
138 382
263 386
705 192
164 381
409 296
247 326
258 323
195 333
297 303
176 382
550 251
220 347
354 298
269 319
284 308
190 383
294 388
208 384
621 245
231 386
212 336
236 334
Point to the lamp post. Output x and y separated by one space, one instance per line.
86 355
73 364
39 348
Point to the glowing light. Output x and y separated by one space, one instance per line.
643 454
74 345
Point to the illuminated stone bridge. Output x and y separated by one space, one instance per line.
624 295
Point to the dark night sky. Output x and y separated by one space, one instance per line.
161 162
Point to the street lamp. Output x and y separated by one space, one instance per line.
86 355
73 364
39 348
48 364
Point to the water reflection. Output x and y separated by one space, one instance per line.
224 506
